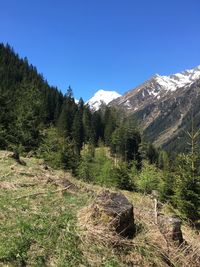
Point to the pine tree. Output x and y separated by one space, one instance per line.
77 132
187 188
152 154
57 151
88 128
110 125
120 174
187 179
163 160
67 114
98 126
149 178
27 101
125 141
69 93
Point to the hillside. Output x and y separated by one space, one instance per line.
164 105
40 208
27 102
29 105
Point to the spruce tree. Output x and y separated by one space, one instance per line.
88 128
65 120
77 132
187 188
110 125
187 179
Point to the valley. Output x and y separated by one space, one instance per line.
63 162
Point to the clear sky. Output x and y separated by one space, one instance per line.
103 44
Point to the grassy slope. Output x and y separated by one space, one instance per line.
41 230
36 230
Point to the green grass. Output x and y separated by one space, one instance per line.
37 230
41 230
39 234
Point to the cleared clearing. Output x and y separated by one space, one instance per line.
42 214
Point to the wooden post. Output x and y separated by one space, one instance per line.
155 197
156 210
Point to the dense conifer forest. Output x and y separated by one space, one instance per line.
101 147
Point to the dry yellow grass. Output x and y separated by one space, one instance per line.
20 188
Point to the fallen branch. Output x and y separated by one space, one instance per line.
27 174
27 184
44 193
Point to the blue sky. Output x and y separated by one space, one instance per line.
103 44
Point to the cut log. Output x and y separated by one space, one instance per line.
116 212
171 228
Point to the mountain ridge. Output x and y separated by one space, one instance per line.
157 84
162 104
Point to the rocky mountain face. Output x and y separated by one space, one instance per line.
102 97
164 106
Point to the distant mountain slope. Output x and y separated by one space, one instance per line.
163 105
102 97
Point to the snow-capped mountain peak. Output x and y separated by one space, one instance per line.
163 106
102 96
178 80
157 88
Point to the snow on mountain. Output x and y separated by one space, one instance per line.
162 105
178 80
101 97
156 89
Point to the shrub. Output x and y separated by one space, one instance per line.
187 187
149 178
57 151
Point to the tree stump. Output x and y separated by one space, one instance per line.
116 212
171 228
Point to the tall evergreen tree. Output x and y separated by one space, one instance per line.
125 141
109 125
27 101
88 126
77 132
66 118
187 178
98 126
187 188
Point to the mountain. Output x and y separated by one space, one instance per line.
163 105
102 97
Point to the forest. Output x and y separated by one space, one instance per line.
100 147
